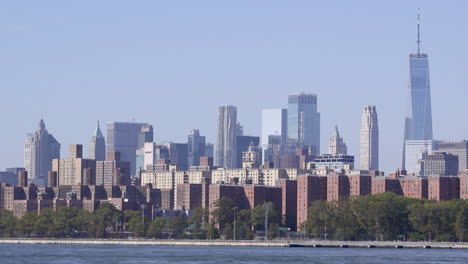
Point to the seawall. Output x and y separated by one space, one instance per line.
239 243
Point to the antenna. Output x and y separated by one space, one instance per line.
419 40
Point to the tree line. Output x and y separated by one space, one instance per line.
388 216
109 222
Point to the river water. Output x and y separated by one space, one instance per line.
159 254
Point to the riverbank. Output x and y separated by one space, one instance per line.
230 243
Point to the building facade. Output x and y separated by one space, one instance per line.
337 145
126 138
274 123
227 131
40 149
97 145
304 122
418 122
369 135
196 147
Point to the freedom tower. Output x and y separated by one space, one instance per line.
418 122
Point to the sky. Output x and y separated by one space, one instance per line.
172 63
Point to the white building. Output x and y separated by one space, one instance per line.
40 149
369 147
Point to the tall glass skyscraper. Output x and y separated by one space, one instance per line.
418 122
304 122
125 137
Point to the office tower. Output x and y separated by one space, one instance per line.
304 122
437 164
209 150
459 148
113 170
226 137
39 150
146 135
273 150
242 144
274 123
413 150
150 154
97 146
140 161
10 176
418 122
126 138
178 155
369 148
337 145
196 147
75 170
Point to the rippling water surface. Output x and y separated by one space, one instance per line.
147 254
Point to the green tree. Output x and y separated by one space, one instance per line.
198 221
156 227
258 216
45 224
7 223
224 212
104 218
212 232
135 223
320 216
461 225
244 225
177 226
25 225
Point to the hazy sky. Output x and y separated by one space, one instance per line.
172 63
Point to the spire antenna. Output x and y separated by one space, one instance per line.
419 39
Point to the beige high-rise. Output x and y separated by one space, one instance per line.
369 147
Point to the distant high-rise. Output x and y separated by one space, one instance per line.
126 138
40 149
75 170
226 137
369 149
304 122
178 154
459 148
337 145
146 135
246 143
209 150
196 147
418 122
274 123
97 145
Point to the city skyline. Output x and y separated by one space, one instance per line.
334 110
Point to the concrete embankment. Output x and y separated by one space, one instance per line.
230 243
201 243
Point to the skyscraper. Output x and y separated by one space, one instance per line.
196 147
97 145
126 138
337 145
418 122
226 137
304 122
39 150
369 149
243 143
274 123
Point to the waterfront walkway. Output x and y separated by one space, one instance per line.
239 243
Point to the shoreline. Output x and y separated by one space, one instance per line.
241 243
